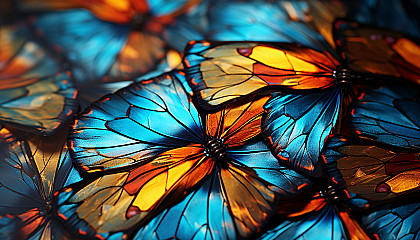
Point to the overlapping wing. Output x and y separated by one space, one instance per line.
218 72
297 126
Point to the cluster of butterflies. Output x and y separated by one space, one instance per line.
189 119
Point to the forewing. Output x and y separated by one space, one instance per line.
219 72
135 124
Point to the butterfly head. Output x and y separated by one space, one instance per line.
215 148
139 21
329 194
46 208
343 77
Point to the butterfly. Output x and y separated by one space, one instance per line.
313 215
310 82
36 93
32 168
368 174
146 149
393 221
104 40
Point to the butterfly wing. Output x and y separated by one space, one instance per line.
32 168
311 216
90 44
219 72
297 125
33 97
378 51
369 174
388 115
393 221
135 123
262 21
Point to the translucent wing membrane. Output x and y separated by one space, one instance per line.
219 72
388 115
135 124
378 51
297 125
369 174
34 97
32 169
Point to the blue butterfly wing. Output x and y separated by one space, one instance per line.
134 124
324 224
34 95
258 157
32 168
260 21
297 126
388 115
90 44
393 221
201 215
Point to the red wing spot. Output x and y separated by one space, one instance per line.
271 140
343 55
338 42
376 236
69 113
245 51
106 99
301 186
90 111
358 132
147 81
192 42
75 93
81 232
352 112
193 81
56 193
187 63
383 188
68 73
288 115
62 216
282 158
182 73
99 236
9 216
68 189
347 193
206 44
85 168
323 158
310 168
361 96
132 211
335 181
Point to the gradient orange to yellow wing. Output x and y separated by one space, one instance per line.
237 122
